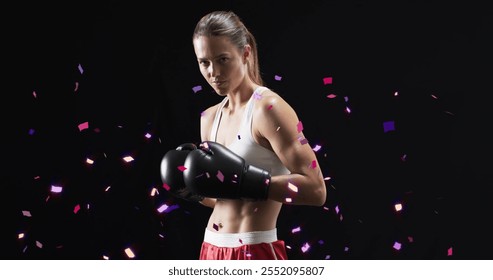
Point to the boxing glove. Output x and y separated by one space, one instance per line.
213 170
172 172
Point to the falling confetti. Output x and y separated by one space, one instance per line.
84 125
80 69
129 253
397 245
277 77
56 189
388 126
197 89
327 80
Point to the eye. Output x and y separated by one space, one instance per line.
204 63
224 59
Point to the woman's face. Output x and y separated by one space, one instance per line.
221 63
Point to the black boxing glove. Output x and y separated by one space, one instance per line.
213 170
172 176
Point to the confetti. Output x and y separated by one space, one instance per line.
331 96
449 252
388 126
292 187
80 69
34 94
327 80
313 164
398 207
162 208
76 86
76 208
299 126
296 229
269 107
128 159
89 161
397 245
129 253
84 125
182 168
197 89
305 247
317 148
277 77
56 189
257 96
220 176
31 131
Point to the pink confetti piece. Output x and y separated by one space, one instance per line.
348 110
257 96
303 141
162 208
299 126
327 257
398 207
129 253
128 158
197 89
84 125
396 93
154 192
89 161
327 178
317 148
397 245
80 69
305 247
76 86
327 80
56 189
107 188
182 168
20 235
410 239
220 176
288 200
292 187
34 94
39 244
277 77
269 107
450 251
388 126
296 229
403 157
313 165
331 96
434 96
76 208
148 135
337 209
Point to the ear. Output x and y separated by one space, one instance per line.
247 52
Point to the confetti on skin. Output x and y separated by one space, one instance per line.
292 187
76 208
278 128
182 168
305 247
449 251
39 244
239 137
277 77
397 245
327 80
269 107
299 126
388 126
128 159
31 131
80 69
313 164
216 227
76 86
56 189
317 148
331 96
202 113
398 207
197 89
84 125
220 176
129 253
302 140
257 96
34 94
296 229
89 161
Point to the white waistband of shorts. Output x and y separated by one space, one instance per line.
238 239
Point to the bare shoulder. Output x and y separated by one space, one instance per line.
271 105
206 120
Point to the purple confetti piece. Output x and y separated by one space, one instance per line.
397 245
388 126
220 176
197 89
277 78
80 69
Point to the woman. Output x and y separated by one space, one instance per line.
265 137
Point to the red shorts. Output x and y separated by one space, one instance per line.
256 245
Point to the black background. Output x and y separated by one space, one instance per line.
138 73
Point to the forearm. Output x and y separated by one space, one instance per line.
298 189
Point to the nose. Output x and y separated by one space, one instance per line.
213 70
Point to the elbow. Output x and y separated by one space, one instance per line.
319 195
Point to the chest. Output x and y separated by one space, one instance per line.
229 127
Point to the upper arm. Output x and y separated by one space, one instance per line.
206 120
283 130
